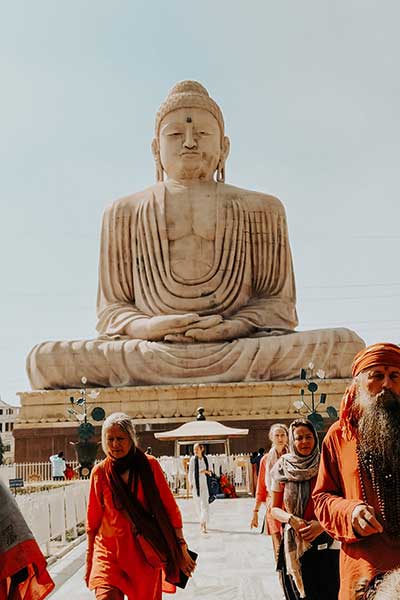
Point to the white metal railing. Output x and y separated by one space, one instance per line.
236 467
50 514
32 472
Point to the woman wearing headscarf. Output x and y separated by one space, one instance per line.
278 435
23 573
197 476
307 561
130 500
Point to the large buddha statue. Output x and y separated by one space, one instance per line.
196 279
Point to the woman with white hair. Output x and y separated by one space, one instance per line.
197 476
134 526
278 435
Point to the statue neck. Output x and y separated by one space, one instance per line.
174 185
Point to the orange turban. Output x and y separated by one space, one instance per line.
387 355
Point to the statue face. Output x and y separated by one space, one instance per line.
190 144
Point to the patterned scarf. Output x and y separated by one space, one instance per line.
295 472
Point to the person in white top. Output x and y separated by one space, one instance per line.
197 476
58 466
278 435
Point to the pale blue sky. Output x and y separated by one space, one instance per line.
310 92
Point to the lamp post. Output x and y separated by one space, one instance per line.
304 407
85 448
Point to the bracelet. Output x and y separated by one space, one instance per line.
255 510
181 541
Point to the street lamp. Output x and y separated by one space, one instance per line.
311 408
85 448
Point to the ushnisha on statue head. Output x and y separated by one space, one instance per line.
189 141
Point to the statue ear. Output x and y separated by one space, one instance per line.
226 144
156 155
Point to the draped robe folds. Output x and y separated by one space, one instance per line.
336 494
251 279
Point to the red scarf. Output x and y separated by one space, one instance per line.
154 523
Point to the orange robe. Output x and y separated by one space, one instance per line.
336 494
38 584
117 559
271 525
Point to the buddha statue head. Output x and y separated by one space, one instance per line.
190 142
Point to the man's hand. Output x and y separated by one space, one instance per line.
311 531
158 328
229 329
364 521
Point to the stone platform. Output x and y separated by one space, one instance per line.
43 426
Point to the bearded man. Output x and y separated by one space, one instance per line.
357 494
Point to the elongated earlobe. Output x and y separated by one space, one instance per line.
221 171
157 160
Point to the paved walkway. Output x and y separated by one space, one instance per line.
234 563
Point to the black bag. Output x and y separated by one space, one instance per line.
323 542
213 487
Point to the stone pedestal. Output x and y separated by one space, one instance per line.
43 426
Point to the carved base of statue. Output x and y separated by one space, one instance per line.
125 362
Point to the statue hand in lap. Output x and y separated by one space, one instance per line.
163 327
229 329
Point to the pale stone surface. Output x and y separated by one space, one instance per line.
178 403
196 278
234 562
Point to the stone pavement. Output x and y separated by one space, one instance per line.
234 563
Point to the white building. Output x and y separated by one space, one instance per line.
8 415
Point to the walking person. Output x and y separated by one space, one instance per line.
23 569
278 435
308 557
132 518
197 476
58 466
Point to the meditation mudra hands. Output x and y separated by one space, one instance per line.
187 328
364 521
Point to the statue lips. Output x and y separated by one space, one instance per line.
190 154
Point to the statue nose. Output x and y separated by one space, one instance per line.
190 141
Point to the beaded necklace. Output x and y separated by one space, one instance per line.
386 486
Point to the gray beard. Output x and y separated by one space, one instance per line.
379 455
379 432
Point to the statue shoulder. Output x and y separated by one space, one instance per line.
254 201
127 204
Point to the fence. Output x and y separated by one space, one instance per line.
237 468
50 514
32 472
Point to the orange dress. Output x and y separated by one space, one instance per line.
336 494
117 559
262 495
